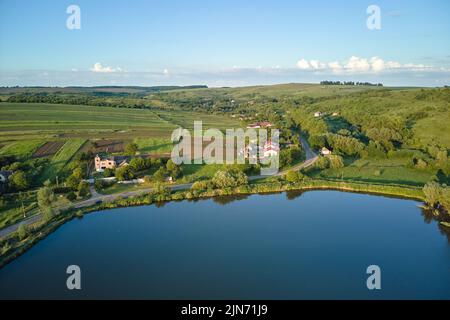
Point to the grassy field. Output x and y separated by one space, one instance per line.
22 149
29 118
153 145
388 171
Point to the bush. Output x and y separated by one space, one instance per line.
322 163
161 192
83 189
71 196
160 174
229 178
131 149
124 173
201 185
22 231
336 162
19 181
108 172
293 176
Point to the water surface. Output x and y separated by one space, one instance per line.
281 246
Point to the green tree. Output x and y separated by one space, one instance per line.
293 176
200 185
170 165
322 163
19 181
22 231
72 182
160 174
78 173
71 196
336 161
124 173
138 164
83 189
229 178
131 149
445 198
108 172
45 198
432 191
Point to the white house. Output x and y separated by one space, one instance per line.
270 149
318 114
325 151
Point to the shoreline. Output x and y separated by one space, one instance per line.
263 188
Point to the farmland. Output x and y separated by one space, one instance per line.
62 157
22 149
20 121
48 149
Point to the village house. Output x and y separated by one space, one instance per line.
270 149
250 151
318 114
261 124
325 151
111 162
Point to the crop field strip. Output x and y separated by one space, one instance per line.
48 149
22 149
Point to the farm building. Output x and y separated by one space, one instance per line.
261 124
325 151
110 162
318 114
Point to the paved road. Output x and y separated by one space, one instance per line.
311 157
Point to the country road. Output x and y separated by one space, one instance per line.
311 157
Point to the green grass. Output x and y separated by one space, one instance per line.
194 172
153 145
389 171
12 211
21 149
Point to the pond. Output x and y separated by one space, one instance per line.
312 245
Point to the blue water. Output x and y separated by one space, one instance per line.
281 246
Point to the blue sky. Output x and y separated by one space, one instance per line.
223 42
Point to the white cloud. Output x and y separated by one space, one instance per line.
166 72
98 67
335 66
303 64
356 65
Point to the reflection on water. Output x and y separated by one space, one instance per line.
434 216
